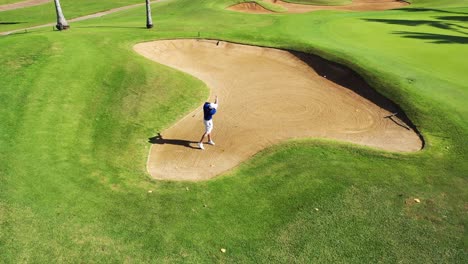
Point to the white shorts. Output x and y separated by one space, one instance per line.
208 125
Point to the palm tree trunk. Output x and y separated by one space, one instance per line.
149 20
61 22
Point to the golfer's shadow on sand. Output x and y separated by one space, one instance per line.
160 140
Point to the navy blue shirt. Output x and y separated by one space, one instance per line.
207 112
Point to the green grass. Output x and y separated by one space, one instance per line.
4 2
43 14
320 2
78 107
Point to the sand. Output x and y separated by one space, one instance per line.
267 96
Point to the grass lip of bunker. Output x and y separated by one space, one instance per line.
268 96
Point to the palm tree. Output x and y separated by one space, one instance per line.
149 20
61 22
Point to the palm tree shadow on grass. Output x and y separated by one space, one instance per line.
158 139
438 23
454 18
412 9
452 24
434 38
11 23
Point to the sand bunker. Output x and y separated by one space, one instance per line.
267 96
356 5
250 7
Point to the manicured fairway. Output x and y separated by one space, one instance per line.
37 15
17 4
4 2
79 106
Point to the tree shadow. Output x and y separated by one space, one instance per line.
434 38
454 18
411 23
449 23
158 139
431 10
445 23
11 23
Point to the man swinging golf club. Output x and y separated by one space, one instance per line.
209 109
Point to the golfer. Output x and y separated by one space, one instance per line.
209 109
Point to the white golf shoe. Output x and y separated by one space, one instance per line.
200 145
211 142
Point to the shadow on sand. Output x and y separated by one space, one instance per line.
160 140
349 79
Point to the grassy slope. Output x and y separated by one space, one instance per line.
73 148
